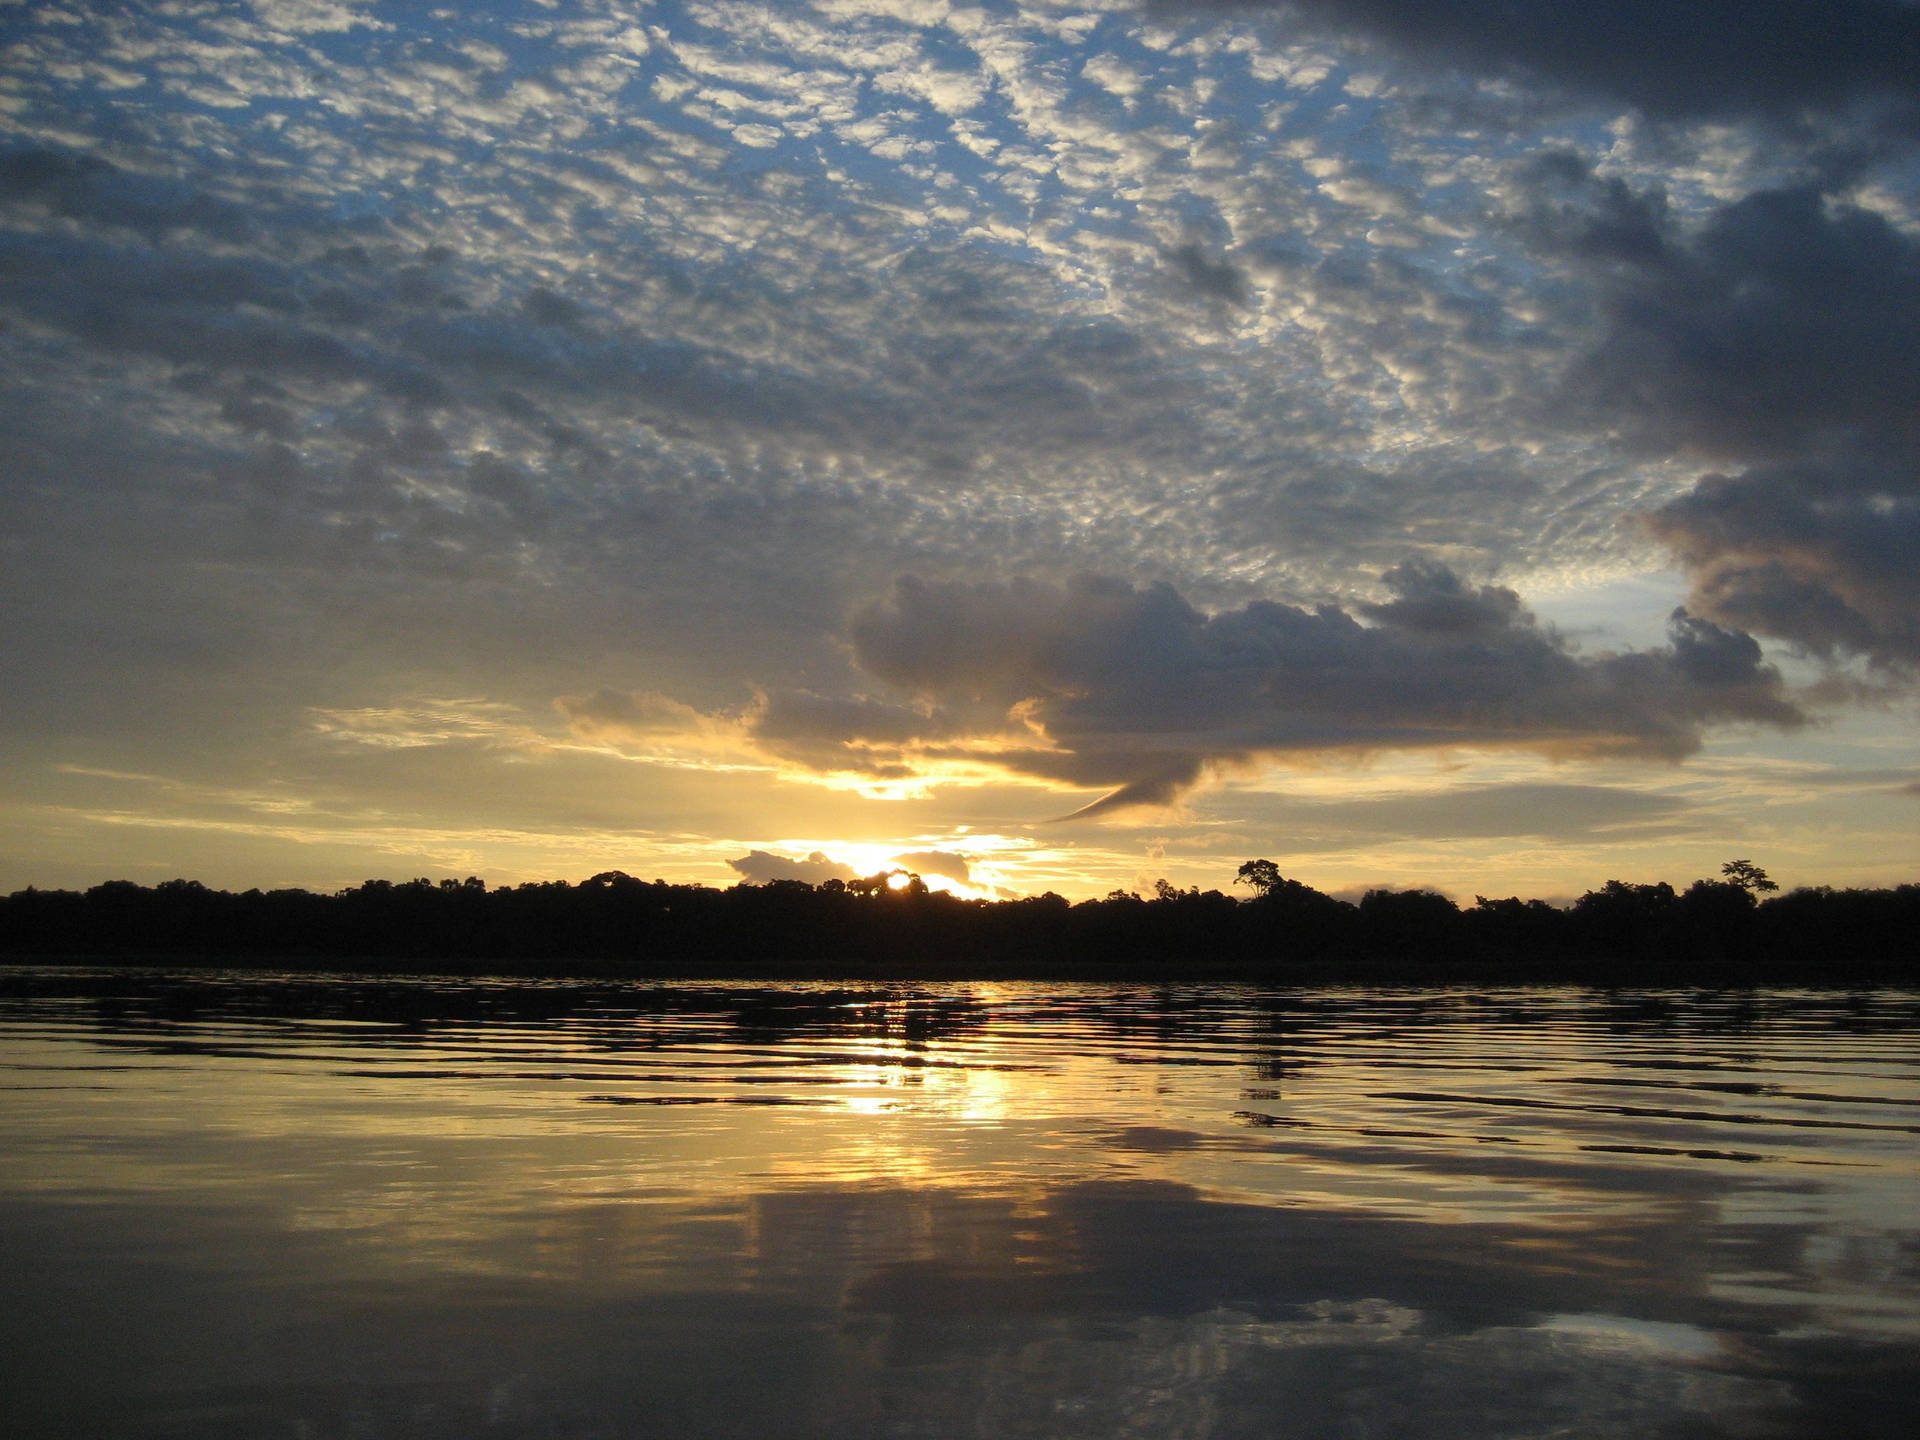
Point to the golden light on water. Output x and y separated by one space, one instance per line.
639 1199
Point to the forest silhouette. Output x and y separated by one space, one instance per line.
1716 931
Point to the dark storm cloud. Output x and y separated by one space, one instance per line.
1787 326
1431 600
1783 333
1571 211
1672 58
1136 690
1778 553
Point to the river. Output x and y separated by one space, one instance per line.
236 1204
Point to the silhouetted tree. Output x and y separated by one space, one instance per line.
1748 876
1292 920
1262 875
1420 924
1718 930
1716 920
1515 930
1621 917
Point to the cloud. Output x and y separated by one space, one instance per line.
429 722
760 867
1787 325
75 185
644 724
1099 684
1669 58
613 714
1136 690
1783 332
937 862
308 17
1538 809
802 718
849 734
1208 276
1777 553
480 357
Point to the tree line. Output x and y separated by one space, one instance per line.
1725 929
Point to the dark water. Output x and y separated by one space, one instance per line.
235 1206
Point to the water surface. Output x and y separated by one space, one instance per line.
236 1205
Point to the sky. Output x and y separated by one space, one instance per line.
1044 445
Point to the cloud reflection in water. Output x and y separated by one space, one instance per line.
353 1208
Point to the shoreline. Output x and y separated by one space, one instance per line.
1596 974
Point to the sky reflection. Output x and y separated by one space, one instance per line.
1041 1210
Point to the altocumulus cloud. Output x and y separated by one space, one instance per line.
358 355
1779 331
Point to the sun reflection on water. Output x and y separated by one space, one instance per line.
1064 1184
